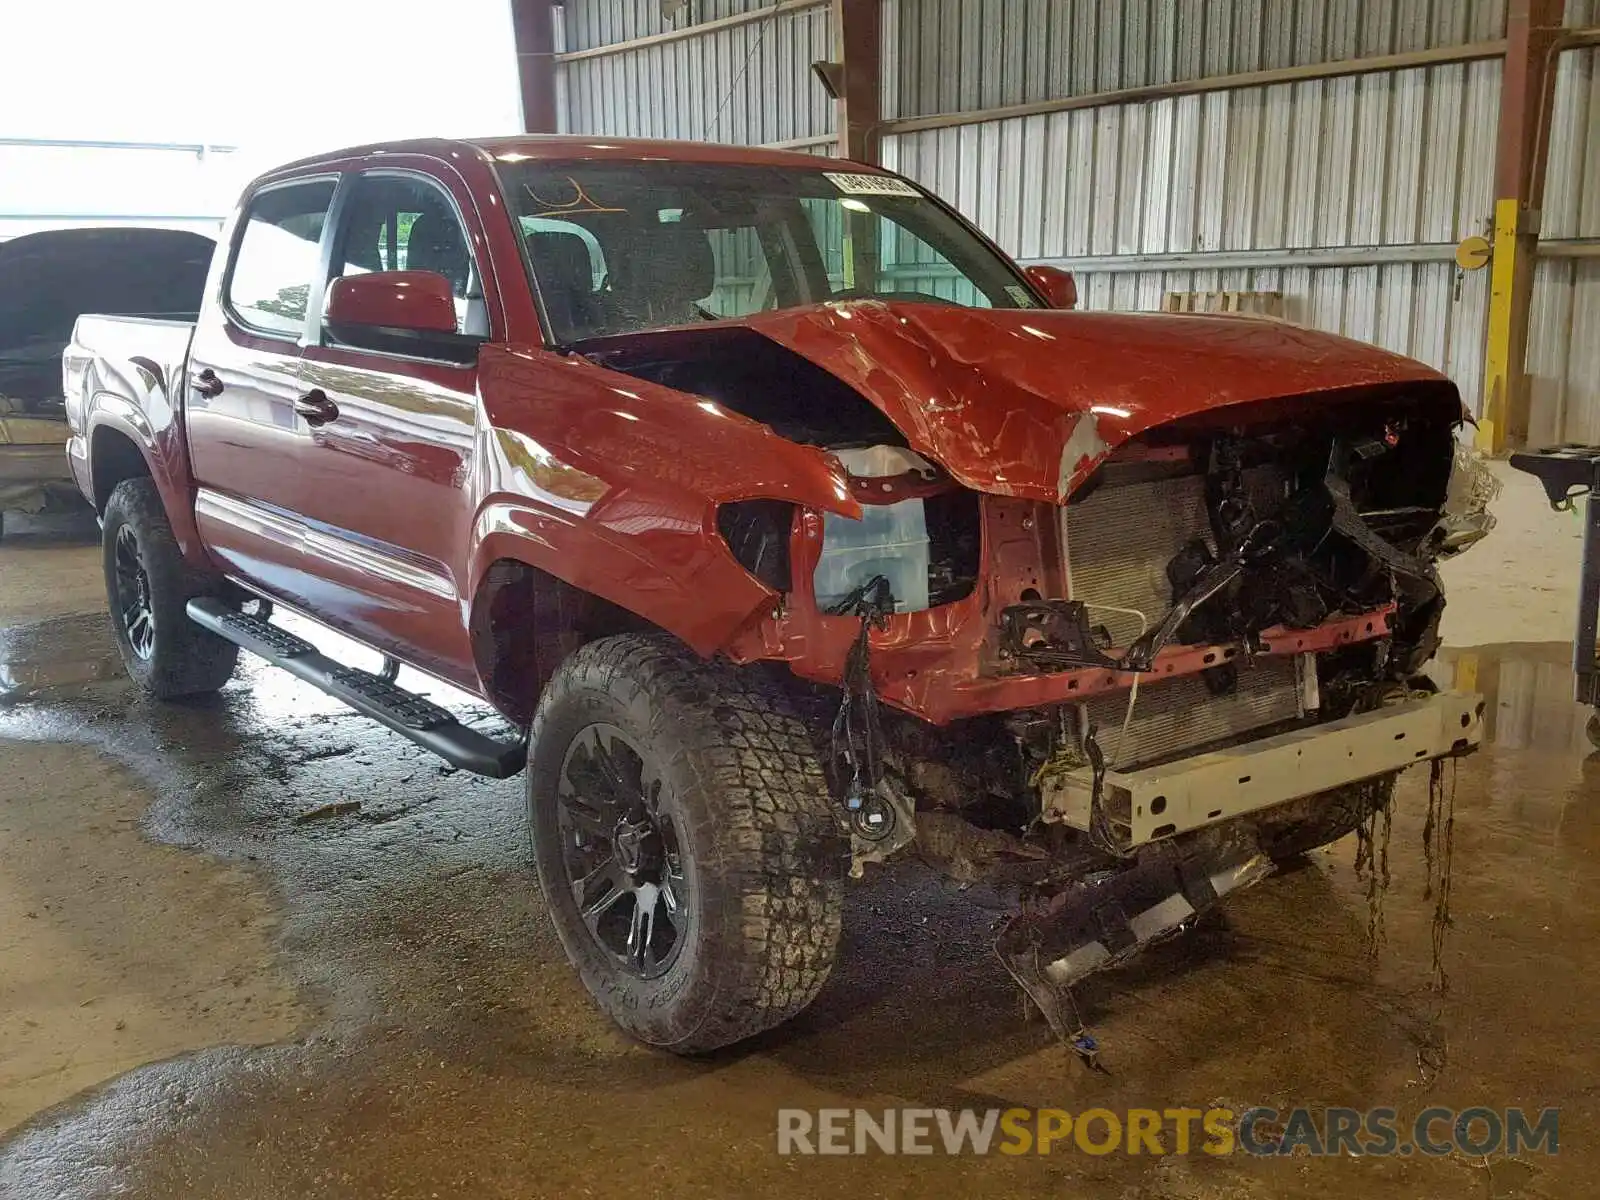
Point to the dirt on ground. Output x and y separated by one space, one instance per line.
117 951
49 566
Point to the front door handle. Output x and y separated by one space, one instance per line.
206 383
316 408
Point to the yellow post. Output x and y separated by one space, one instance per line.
1500 366
1522 144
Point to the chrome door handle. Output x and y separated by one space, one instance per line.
206 383
316 408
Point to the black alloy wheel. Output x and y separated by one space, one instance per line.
685 841
133 594
621 852
148 588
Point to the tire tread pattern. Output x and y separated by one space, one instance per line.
774 884
188 660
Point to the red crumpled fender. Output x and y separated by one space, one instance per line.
1027 402
611 483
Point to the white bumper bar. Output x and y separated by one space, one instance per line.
1157 802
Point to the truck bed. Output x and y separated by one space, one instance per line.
162 341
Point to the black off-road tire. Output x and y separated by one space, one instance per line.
183 659
763 859
1325 818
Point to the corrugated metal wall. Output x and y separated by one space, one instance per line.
1385 171
1256 187
1395 159
748 84
960 55
1564 331
591 23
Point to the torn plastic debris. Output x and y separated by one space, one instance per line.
1107 918
1465 519
1200 885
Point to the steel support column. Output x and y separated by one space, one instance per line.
533 30
858 39
1533 36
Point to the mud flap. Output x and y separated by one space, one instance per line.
1106 918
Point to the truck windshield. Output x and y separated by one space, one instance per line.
623 247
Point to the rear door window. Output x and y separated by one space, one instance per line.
277 256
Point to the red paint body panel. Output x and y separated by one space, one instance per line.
611 483
385 520
1058 286
518 147
392 476
134 393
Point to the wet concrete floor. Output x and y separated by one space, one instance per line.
370 1002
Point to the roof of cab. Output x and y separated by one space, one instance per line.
520 147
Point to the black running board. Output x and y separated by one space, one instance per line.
425 723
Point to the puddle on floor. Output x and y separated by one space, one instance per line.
1527 688
54 653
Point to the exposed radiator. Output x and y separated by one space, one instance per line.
1171 716
1118 543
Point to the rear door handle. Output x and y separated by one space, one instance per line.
206 383
316 408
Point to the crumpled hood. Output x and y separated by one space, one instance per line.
1027 402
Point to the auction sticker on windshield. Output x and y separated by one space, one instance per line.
871 185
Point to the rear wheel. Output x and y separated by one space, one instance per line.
685 842
149 587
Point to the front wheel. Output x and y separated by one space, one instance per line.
685 842
149 586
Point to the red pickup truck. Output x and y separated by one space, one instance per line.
794 526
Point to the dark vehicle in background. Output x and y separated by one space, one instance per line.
789 526
46 280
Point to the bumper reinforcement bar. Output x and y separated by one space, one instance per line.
1151 803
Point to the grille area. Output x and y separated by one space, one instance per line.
1171 716
1118 542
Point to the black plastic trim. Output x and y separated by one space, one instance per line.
433 728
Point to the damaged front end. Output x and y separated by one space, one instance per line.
1108 658
1218 634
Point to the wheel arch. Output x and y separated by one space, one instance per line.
120 443
523 621
571 570
114 455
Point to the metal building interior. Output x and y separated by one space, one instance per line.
254 945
